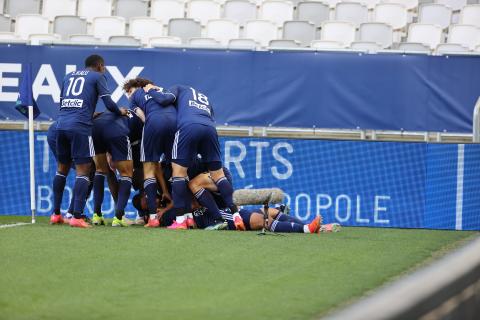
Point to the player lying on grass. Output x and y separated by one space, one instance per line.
79 95
112 133
158 135
56 217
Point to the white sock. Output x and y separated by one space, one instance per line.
153 216
306 229
188 215
180 219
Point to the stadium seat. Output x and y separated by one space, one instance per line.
223 30
391 13
240 11
164 41
466 35
242 44
262 31
90 9
471 15
53 8
125 40
184 29
353 12
105 27
204 42
67 25
302 31
145 28
426 34
326 45
131 8
340 31
283 43
367 46
5 24
27 24
203 10
17 7
369 3
477 49
2 5
39 38
456 5
315 12
277 11
83 39
377 32
8 36
413 47
409 4
331 3
434 13
164 10
445 48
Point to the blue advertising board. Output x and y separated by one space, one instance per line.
280 88
355 183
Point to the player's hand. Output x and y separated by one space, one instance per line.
149 86
166 197
123 111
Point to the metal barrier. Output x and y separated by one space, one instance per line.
447 289
476 122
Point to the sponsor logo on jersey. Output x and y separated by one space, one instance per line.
72 103
199 106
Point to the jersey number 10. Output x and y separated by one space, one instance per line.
75 85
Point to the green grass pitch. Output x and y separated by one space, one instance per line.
56 272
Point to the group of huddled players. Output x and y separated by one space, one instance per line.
164 144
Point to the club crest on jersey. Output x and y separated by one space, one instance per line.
72 103
197 105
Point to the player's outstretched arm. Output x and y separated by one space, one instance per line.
159 95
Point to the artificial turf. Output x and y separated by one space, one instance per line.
57 272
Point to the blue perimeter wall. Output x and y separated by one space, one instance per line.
376 184
279 88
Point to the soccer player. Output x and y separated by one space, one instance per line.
196 134
157 138
80 92
112 133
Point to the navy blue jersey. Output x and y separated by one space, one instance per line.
152 103
192 107
135 126
79 96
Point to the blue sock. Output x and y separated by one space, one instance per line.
181 196
206 199
98 192
285 217
80 191
284 226
58 187
226 191
227 216
150 187
123 194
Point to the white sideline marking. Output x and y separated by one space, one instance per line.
3 226
460 169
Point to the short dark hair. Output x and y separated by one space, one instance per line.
136 201
94 61
136 83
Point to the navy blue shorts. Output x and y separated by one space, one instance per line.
197 139
157 138
118 147
74 146
52 139
203 219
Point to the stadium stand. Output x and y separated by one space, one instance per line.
164 41
365 25
203 42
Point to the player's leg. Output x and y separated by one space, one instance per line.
121 152
64 160
200 186
82 150
101 172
